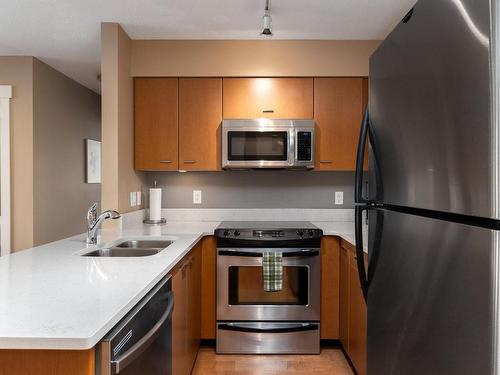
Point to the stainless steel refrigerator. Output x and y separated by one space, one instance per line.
432 198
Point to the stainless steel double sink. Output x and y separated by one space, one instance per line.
131 248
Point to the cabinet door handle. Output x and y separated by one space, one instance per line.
189 161
326 161
268 111
184 270
165 161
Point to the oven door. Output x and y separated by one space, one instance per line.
240 286
251 148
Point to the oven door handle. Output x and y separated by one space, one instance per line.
239 253
278 328
135 351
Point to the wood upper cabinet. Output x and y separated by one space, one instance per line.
339 105
330 262
247 98
155 123
200 116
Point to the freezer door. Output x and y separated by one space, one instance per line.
430 297
431 110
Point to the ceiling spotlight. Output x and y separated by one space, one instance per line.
266 21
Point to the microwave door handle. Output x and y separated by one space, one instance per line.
138 348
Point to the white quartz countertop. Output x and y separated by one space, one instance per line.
52 298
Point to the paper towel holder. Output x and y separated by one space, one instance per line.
162 221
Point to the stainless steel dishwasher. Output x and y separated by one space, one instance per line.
141 343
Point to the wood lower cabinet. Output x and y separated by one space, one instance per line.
357 321
194 303
208 287
330 267
47 362
353 324
155 123
180 335
186 318
247 98
339 105
344 298
200 116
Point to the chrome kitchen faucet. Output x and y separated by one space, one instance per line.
94 221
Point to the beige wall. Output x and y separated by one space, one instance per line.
251 57
50 117
65 113
119 176
18 72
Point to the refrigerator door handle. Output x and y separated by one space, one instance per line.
360 159
360 254
377 191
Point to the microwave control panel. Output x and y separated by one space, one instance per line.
304 146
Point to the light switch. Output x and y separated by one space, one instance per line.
339 197
197 196
139 198
133 198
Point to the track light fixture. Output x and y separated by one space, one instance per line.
266 21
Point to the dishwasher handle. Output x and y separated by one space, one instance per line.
140 346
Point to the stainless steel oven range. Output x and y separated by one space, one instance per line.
251 319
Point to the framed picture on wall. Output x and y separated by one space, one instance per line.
93 175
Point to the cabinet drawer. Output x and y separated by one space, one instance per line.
284 338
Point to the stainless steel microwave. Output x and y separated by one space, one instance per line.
267 143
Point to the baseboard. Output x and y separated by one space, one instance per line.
327 342
323 343
348 359
207 342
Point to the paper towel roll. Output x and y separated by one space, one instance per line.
155 204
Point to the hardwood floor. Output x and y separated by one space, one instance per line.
331 361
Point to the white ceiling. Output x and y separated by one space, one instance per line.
66 33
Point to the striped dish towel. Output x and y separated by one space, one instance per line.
272 268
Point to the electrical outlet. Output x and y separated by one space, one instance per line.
139 198
339 197
133 198
197 196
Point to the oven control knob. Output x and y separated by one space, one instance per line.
311 233
300 233
236 233
226 233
